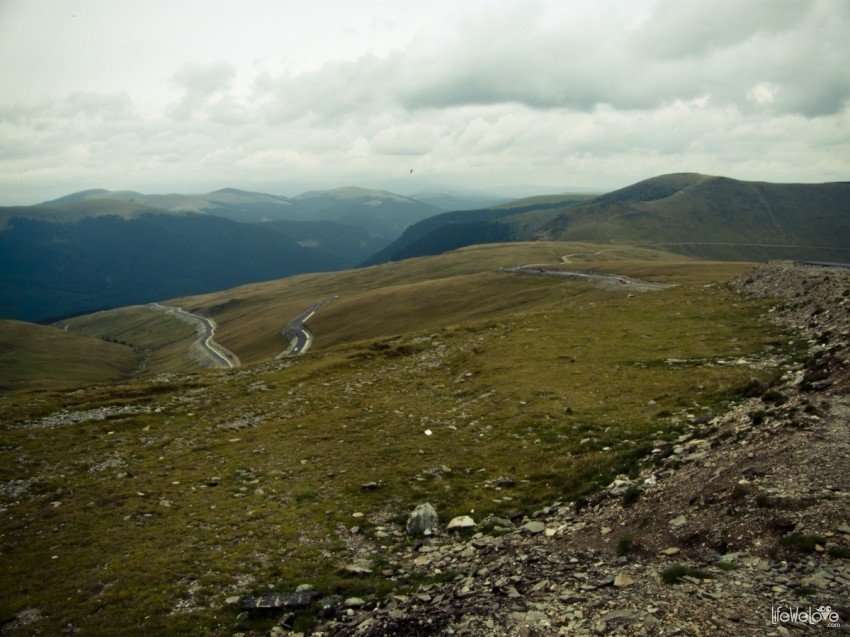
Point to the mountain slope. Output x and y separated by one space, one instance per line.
100 248
73 208
239 205
689 213
757 219
50 269
539 390
37 356
383 213
452 230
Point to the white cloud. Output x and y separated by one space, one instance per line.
472 93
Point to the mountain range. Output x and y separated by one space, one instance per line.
689 213
98 248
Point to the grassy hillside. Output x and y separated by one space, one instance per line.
392 299
692 214
163 341
452 230
717 217
74 209
250 317
249 481
37 357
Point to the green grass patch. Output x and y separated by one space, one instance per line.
625 545
802 543
839 552
675 573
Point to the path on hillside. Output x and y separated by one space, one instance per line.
566 257
297 333
731 243
610 281
217 354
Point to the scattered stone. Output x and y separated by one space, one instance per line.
534 527
461 522
622 580
275 601
360 567
422 520
672 550
625 616
677 521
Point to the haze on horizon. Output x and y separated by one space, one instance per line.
283 97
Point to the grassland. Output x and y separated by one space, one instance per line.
249 480
164 340
414 294
36 357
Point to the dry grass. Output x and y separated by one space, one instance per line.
163 339
37 357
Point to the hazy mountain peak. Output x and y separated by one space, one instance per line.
353 192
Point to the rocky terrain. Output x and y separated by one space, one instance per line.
745 513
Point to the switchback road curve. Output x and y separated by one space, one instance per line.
217 354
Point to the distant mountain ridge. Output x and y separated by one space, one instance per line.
387 211
52 269
691 213
716 217
97 248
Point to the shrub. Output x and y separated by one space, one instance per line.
625 545
802 543
739 492
631 496
675 573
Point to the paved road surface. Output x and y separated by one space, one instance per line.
220 356
612 281
297 333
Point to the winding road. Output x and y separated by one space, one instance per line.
218 355
610 281
297 333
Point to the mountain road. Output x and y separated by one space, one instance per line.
610 281
297 334
215 353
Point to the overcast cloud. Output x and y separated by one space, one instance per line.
276 96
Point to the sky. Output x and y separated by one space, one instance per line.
470 95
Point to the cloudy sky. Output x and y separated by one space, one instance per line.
283 96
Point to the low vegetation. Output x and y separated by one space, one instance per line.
249 480
676 574
38 357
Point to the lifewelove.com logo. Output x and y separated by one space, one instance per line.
823 615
